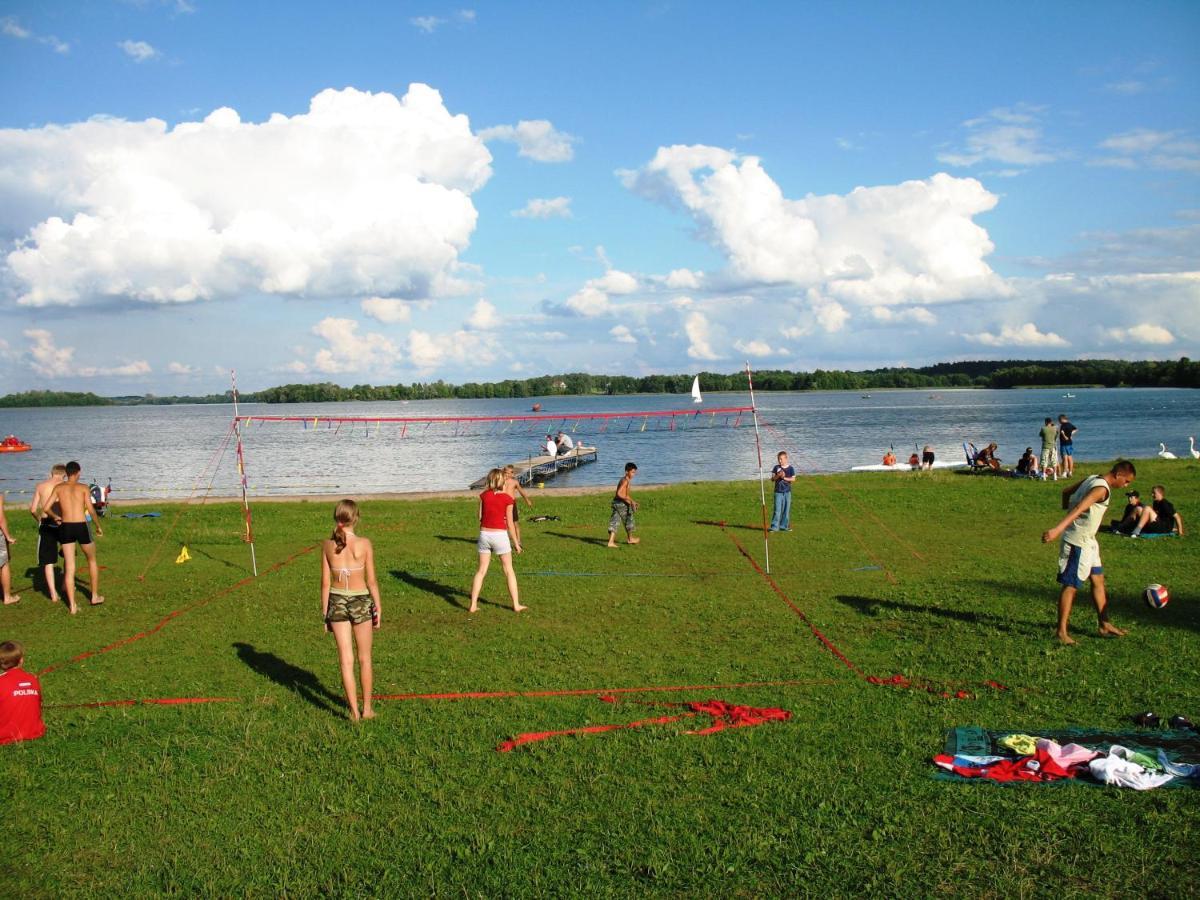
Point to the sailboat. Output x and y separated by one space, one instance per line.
696 398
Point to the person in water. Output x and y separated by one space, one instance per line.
350 604
498 535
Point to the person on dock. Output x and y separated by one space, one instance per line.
20 697
1078 552
1066 445
498 535
43 513
1049 463
551 446
350 604
783 475
564 443
74 502
5 569
623 508
512 487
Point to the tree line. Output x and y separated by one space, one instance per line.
969 374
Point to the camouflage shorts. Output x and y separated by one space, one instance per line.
3 551
353 608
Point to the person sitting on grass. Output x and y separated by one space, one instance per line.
1027 465
623 508
1129 516
350 603
20 697
5 575
988 459
1158 518
498 535
1078 552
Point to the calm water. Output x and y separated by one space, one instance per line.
162 451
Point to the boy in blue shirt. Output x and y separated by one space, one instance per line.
783 475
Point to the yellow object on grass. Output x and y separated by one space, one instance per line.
183 556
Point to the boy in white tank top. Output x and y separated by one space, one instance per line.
1078 553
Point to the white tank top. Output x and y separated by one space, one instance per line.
1083 530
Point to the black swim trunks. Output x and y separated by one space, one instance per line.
74 533
927 458
47 549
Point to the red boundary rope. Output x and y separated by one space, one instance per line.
558 417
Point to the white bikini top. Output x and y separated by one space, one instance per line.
343 572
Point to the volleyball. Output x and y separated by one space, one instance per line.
1156 596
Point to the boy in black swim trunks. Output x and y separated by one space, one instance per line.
74 500
42 511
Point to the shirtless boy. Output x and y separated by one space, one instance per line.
623 508
43 513
512 487
5 540
74 500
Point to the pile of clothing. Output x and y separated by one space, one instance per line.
1040 759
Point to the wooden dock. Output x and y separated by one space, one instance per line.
539 468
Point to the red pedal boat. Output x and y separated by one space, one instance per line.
12 444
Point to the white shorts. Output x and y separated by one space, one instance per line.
494 542
1077 564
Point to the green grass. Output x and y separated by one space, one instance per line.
278 795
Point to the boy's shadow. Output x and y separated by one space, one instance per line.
578 537
299 681
757 528
461 540
871 606
428 585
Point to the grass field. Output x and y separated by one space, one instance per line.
939 577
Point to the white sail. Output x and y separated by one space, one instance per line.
696 398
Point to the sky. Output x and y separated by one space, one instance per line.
393 192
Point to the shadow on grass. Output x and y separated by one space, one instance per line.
299 681
757 528
199 552
871 606
450 594
603 542
461 540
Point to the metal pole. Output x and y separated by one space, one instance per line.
241 463
762 489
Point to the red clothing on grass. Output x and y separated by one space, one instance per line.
493 504
20 706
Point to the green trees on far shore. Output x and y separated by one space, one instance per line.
1182 373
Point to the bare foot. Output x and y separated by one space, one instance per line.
353 717
1066 639
517 607
368 713
72 608
96 601
611 545
12 598
634 540
473 609
1108 628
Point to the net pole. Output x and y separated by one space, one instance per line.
248 537
762 487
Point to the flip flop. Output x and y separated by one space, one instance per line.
1146 720
1181 722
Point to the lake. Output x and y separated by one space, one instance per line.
162 451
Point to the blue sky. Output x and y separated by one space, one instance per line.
392 192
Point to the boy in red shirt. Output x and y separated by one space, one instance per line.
20 697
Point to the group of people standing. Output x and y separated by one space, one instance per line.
351 608
1057 455
62 507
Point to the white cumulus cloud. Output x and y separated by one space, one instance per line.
349 351
387 310
622 335
178 368
427 351
1026 335
915 314
536 139
545 208
484 317
138 51
914 242
1012 136
51 361
699 334
1144 333
363 195
684 279
758 349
